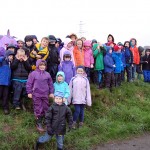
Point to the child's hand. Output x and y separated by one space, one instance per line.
10 58
34 52
30 95
38 56
114 66
17 56
92 66
25 58
51 95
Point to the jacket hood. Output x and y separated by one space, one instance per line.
67 53
60 73
67 40
38 62
87 43
8 53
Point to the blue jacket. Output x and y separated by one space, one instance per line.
123 59
62 86
117 57
5 72
108 63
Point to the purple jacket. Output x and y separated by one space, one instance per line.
68 68
39 83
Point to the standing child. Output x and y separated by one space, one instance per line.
5 77
80 95
39 87
56 117
117 57
88 58
20 71
78 53
146 65
61 86
109 69
67 66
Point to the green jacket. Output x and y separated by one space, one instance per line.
98 56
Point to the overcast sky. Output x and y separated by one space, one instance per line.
124 19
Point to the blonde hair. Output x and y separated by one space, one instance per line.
21 51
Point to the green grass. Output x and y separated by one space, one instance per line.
123 113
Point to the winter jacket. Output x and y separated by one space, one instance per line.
98 55
20 69
145 65
78 56
117 57
128 56
108 63
80 91
68 68
39 82
44 53
136 56
88 57
56 118
62 86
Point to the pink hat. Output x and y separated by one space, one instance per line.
117 47
87 43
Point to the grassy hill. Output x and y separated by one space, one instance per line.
117 115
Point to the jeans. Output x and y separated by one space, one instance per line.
79 112
87 70
46 137
117 79
129 72
133 71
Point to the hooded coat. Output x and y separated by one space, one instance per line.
39 83
61 86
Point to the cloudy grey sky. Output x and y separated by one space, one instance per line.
124 19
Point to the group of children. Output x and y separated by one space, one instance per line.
62 71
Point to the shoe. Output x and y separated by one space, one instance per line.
80 124
37 144
39 125
74 125
6 111
17 108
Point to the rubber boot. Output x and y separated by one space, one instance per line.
39 124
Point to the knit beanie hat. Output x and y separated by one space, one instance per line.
59 94
117 47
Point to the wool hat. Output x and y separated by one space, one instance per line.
94 41
11 46
28 38
52 38
59 94
9 52
117 47
140 49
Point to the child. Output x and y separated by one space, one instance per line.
136 57
78 53
56 117
110 41
11 47
67 66
20 71
73 38
5 77
62 86
146 65
109 69
80 95
39 87
20 44
42 48
88 58
117 57
98 53
53 58
128 60
68 46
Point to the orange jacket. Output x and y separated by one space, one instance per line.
78 56
136 56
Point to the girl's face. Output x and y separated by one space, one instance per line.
80 71
109 39
79 44
11 49
69 45
29 43
58 100
127 44
67 58
87 47
42 67
20 44
57 45
60 78
44 43
73 38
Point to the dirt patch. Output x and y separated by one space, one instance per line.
137 143
7 128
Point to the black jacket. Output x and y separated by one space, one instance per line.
56 117
20 70
145 65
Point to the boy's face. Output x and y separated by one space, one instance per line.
10 57
21 56
79 44
20 44
44 43
80 71
11 49
42 67
58 100
29 43
60 78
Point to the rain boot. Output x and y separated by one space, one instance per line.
39 124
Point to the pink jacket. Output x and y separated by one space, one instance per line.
88 58
80 92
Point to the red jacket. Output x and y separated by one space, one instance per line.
136 56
